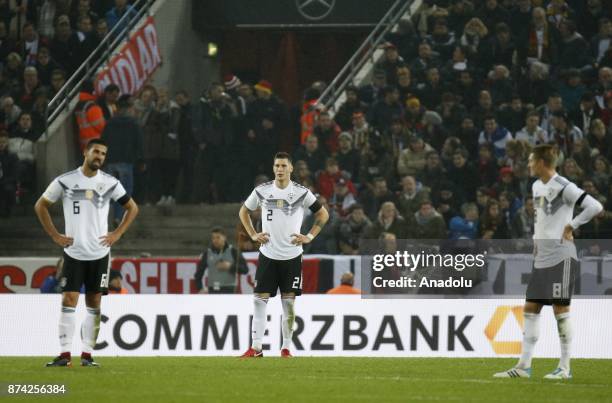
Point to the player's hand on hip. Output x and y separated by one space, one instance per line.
63 240
568 233
262 238
110 238
299 239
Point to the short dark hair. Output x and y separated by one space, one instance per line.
547 153
217 230
111 88
124 101
93 142
88 87
281 155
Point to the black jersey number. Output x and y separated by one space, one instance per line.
269 215
76 209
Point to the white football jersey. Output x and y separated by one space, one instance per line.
282 212
554 207
86 203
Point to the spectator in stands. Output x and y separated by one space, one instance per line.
383 111
425 60
342 198
29 44
8 175
553 104
51 284
411 160
222 261
58 79
484 108
405 85
312 154
474 34
372 91
563 132
495 135
441 39
24 96
82 8
6 44
572 171
466 89
492 223
599 139
388 220
45 65
571 89
466 226
188 147
433 172
487 166
89 115
346 285
586 112
352 104
101 31
347 156
325 241
512 115
447 198
108 100
169 152
375 161
327 131
351 230
9 113
21 143
574 50
114 282
491 14
601 173
532 133
601 42
115 14
499 50
62 45
213 127
541 41
374 196
13 71
84 39
410 196
327 178
124 138
46 17
427 223
463 172
523 221
390 62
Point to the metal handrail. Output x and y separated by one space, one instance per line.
98 56
363 54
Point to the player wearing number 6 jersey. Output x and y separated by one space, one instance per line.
555 263
85 193
282 204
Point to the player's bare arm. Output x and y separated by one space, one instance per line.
131 211
321 218
245 219
42 211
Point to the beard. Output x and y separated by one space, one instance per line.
94 165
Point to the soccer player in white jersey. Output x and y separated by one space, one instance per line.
282 204
555 262
85 194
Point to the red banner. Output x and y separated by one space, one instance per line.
135 63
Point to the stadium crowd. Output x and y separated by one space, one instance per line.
42 42
434 145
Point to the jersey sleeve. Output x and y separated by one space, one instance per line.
54 191
119 192
572 193
252 202
309 199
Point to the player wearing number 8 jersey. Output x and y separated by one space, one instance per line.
282 204
85 194
555 263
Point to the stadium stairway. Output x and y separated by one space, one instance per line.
177 231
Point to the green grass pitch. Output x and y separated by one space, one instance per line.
306 379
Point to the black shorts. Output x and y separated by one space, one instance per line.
553 285
93 273
274 274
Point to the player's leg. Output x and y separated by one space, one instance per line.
291 286
561 309
531 313
71 282
96 283
266 284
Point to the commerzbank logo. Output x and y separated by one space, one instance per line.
501 314
315 10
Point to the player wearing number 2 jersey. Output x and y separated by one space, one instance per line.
85 194
282 204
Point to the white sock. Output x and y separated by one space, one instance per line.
90 329
288 320
258 327
564 327
66 328
530 338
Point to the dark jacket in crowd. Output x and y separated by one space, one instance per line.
124 138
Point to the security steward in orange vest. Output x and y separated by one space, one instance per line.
89 115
